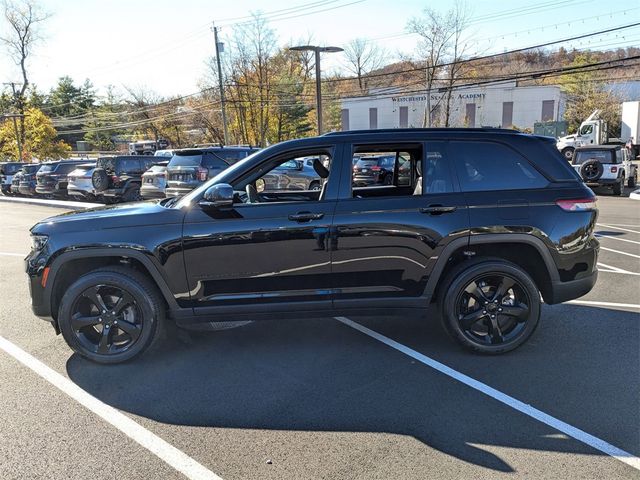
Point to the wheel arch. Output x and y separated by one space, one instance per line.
68 266
526 251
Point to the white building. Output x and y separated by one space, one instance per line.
503 105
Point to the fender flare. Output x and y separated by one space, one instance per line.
92 252
489 238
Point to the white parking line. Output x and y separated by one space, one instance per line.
622 225
604 304
508 400
7 254
617 228
156 445
612 269
618 251
599 235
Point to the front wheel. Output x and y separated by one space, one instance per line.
618 188
568 153
111 315
633 180
490 306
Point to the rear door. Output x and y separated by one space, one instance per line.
388 237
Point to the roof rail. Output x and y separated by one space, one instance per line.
422 130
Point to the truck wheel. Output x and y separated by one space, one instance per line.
631 183
111 315
618 188
568 153
132 194
489 306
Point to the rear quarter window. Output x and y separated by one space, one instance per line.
489 166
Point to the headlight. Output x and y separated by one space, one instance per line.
38 242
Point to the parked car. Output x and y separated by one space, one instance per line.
15 183
7 171
606 166
164 153
190 168
119 178
296 174
27 184
509 225
154 181
81 182
51 179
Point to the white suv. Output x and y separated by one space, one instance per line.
606 166
80 184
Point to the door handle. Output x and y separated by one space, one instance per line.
305 216
437 209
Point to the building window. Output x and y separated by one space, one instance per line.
404 117
547 110
470 116
373 118
507 114
345 119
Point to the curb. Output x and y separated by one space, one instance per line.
68 205
635 195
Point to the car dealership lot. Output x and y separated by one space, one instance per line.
316 398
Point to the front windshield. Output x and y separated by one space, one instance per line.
194 195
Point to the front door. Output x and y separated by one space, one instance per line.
269 252
388 237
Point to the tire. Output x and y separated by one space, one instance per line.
100 180
132 194
513 329
388 180
633 180
618 188
567 153
315 185
144 315
591 170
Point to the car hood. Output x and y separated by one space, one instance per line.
115 216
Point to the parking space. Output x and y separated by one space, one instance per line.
317 398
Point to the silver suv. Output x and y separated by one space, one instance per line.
192 167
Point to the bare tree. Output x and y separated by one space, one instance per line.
362 57
23 17
436 35
457 20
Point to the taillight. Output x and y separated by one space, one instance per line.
202 174
614 169
580 205
115 178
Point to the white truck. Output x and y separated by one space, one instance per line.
630 131
593 131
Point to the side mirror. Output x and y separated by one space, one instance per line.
219 195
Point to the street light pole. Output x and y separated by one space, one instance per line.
317 50
224 112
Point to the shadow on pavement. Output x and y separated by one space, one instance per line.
320 375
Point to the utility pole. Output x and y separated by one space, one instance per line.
15 121
428 105
317 50
219 48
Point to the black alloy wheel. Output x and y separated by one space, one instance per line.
490 306
106 319
492 309
112 314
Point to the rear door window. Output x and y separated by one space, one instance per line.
487 166
581 156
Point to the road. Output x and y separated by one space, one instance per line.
318 398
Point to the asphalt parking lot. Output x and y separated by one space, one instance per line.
356 398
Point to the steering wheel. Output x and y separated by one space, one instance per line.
252 194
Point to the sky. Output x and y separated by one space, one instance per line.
163 45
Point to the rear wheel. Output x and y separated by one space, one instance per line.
618 188
111 315
315 185
132 194
490 306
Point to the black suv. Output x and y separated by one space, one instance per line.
491 222
51 178
27 181
119 178
192 167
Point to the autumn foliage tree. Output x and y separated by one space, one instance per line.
39 142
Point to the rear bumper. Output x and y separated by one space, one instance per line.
603 181
50 190
27 189
565 291
151 192
79 193
177 191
